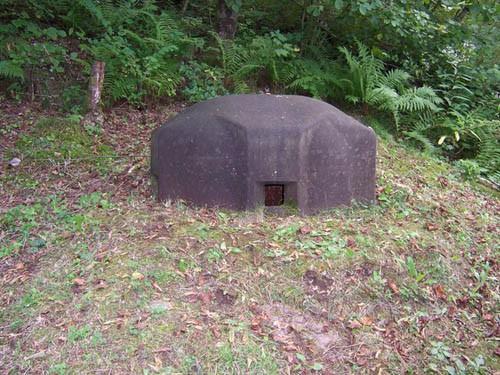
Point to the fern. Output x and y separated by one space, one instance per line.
11 70
409 100
396 78
419 134
363 74
318 78
365 82
488 156
142 51
95 10
270 56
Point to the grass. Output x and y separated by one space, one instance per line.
98 277
54 138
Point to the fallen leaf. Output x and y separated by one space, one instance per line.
101 284
137 276
79 281
215 332
204 298
432 227
14 162
305 229
392 286
366 321
439 291
157 287
354 324
351 243
488 316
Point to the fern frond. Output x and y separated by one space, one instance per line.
421 139
11 70
95 10
247 70
396 78
489 149
418 100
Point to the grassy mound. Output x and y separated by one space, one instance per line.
54 138
97 277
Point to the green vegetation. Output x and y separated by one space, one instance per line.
430 65
58 138
95 277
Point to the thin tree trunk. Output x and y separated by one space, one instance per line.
228 21
94 111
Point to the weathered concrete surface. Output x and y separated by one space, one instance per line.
224 151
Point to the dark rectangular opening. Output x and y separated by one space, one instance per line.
274 194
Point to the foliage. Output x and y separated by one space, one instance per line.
432 66
141 50
367 82
63 138
318 78
469 169
265 60
202 81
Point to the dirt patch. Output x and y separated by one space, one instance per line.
317 284
302 332
224 298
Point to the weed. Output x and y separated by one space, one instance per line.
411 268
59 369
97 339
184 264
78 334
163 276
31 299
8 249
94 200
215 254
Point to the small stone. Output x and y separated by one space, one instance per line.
159 305
15 162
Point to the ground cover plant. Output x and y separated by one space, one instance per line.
96 277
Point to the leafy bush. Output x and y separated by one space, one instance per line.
142 51
29 55
469 169
366 82
265 60
202 81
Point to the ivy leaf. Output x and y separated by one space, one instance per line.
339 4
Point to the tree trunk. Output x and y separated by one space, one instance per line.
94 111
228 21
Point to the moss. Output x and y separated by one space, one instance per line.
54 138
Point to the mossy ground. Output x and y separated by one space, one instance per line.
96 277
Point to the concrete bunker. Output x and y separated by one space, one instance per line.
245 151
